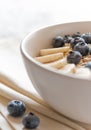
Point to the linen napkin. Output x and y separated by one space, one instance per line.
16 85
16 123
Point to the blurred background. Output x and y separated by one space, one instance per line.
19 17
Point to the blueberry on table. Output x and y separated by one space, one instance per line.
74 41
87 37
88 65
16 108
31 121
77 34
74 57
82 47
58 42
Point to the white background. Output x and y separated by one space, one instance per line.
18 17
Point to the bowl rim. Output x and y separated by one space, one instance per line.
50 69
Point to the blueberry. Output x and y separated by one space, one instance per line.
87 37
82 47
74 57
67 39
31 121
77 34
88 65
58 42
74 41
16 108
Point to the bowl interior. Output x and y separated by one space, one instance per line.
42 38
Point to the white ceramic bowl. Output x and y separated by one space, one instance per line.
69 96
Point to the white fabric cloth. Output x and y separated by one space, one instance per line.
12 68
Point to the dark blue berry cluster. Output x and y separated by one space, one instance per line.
17 108
78 44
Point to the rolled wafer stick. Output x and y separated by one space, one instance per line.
49 58
39 108
58 64
54 50
69 68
